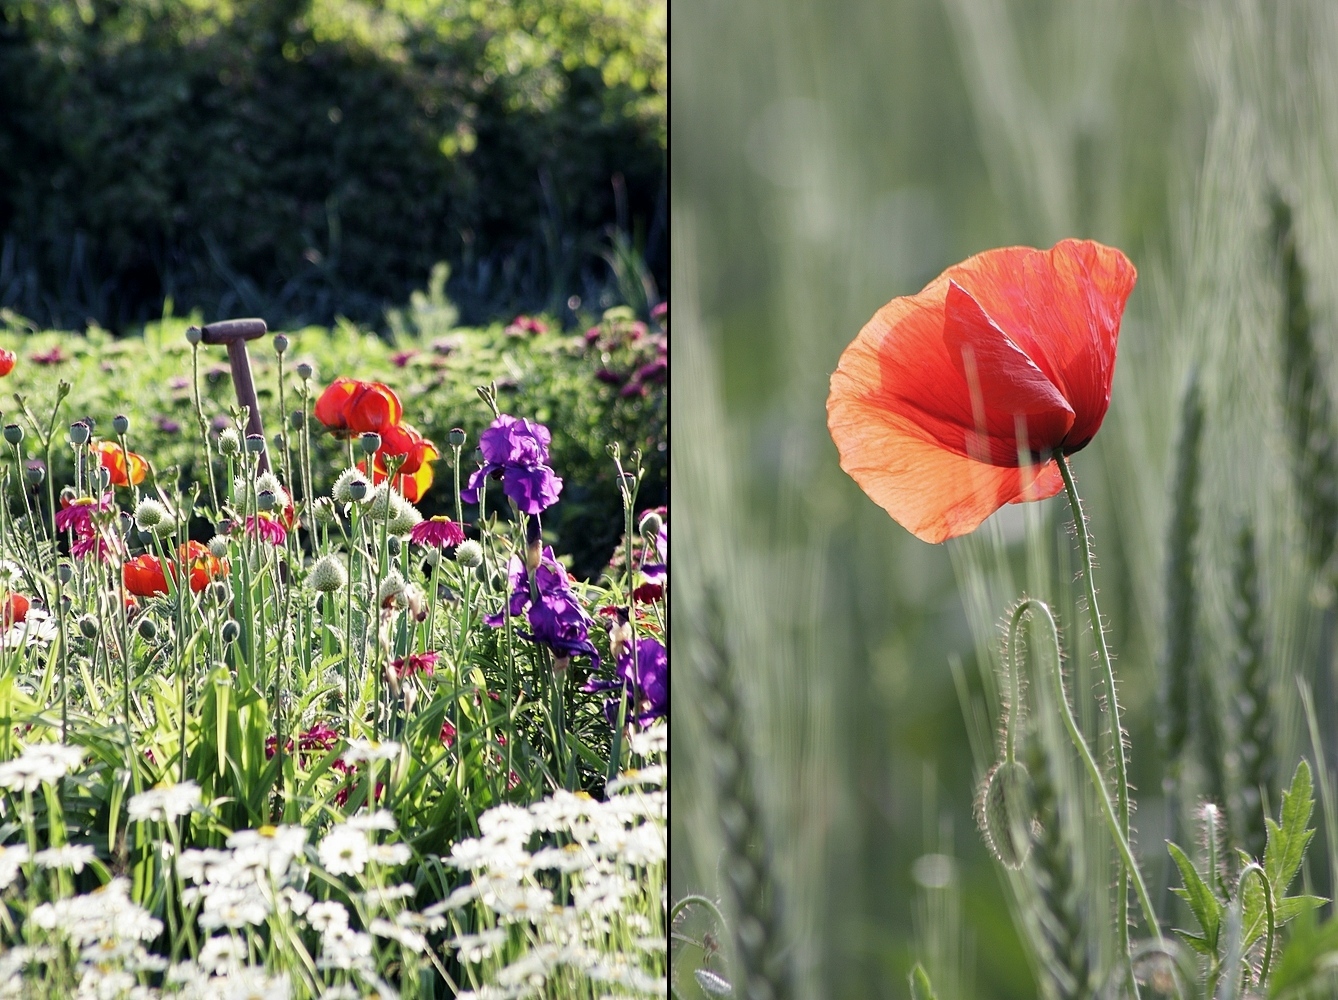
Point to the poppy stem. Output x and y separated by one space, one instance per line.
1112 701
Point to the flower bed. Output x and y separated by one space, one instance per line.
270 730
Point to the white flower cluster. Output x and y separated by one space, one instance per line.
609 928
241 887
39 763
164 803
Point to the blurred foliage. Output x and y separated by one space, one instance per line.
311 158
555 377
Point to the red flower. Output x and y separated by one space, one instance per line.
350 407
114 459
952 402
447 733
404 441
648 592
7 360
13 609
144 576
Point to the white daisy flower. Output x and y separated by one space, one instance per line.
327 916
344 851
164 803
71 856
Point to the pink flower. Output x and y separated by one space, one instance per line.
401 358
77 515
269 528
52 357
439 531
407 666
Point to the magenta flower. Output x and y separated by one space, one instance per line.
52 357
271 529
516 451
407 666
437 531
77 515
401 358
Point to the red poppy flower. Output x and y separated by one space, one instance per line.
7 360
350 407
13 609
404 441
144 576
952 402
113 458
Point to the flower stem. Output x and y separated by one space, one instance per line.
1112 708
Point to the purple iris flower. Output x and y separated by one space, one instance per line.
516 451
646 680
557 619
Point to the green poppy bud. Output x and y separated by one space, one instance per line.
88 627
280 343
148 629
120 424
231 630
305 371
1006 812
297 420
651 525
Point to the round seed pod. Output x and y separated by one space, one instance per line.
265 500
1005 812
651 525
193 335
280 343
369 441
120 424
469 554
148 629
79 432
393 545
255 443
229 443
297 419
88 626
66 572
36 474
457 437
231 630
13 433
305 371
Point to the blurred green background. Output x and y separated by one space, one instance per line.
830 156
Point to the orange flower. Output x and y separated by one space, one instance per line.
144 576
113 459
348 407
6 362
414 476
952 402
13 607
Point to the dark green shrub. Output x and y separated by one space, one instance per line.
303 159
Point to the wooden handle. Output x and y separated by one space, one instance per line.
231 330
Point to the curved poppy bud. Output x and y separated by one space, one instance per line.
7 360
13 609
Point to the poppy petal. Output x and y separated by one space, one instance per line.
1062 307
932 491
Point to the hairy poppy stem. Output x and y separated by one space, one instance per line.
1112 707
1031 606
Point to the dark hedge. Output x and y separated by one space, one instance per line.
303 159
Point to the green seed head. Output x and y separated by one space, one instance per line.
469 554
328 575
229 442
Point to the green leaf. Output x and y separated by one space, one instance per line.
1206 907
1309 954
921 988
1287 840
